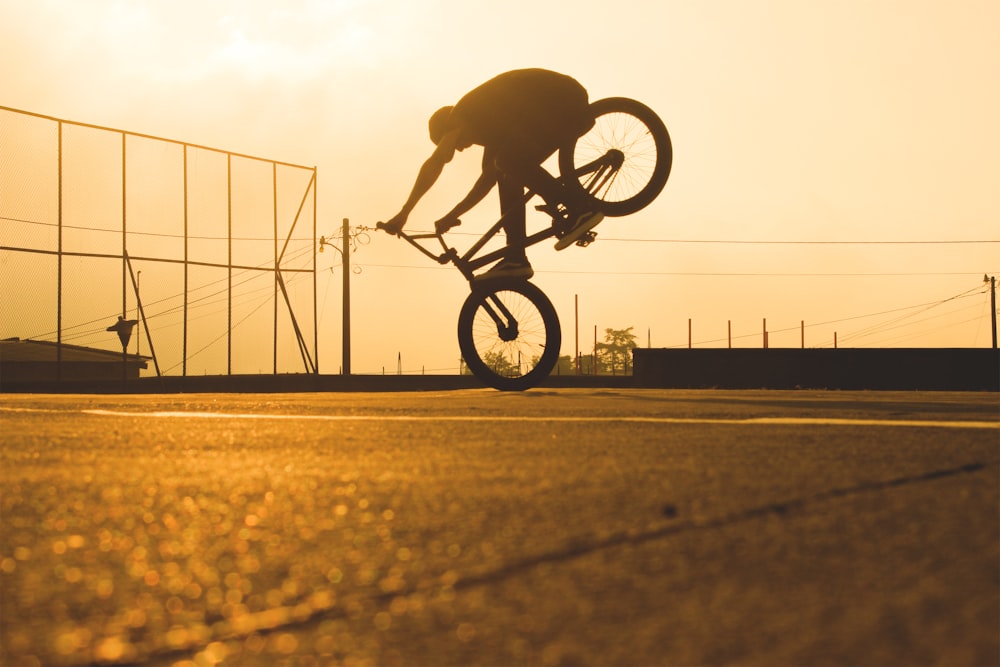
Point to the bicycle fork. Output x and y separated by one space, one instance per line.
507 329
602 172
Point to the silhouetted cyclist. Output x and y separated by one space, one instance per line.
520 118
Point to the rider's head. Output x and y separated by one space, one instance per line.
440 124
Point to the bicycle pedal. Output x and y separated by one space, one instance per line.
586 239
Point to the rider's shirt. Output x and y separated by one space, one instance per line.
529 112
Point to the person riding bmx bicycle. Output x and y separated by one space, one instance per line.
520 118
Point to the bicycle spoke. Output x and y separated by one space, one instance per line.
509 335
630 140
516 356
627 134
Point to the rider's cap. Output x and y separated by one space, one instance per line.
439 124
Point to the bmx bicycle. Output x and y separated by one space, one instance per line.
508 330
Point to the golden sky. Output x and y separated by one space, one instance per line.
823 121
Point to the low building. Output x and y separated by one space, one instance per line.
37 362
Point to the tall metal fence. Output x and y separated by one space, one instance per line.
211 251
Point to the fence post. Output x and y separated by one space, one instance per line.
576 329
993 308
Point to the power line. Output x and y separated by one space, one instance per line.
918 334
240 299
153 234
894 323
759 242
616 240
877 328
731 274
227 332
68 333
787 242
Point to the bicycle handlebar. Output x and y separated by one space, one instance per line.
439 229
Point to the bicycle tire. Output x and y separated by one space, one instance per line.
509 358
632 128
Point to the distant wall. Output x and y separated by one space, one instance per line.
37 373
938 369
299 382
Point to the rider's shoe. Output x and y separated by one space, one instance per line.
508 269
584 223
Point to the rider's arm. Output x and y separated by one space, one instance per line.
429 173
487 179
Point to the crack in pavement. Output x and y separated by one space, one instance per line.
323 605
781 508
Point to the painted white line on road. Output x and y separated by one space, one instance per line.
763 421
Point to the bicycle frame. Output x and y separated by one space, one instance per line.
599 174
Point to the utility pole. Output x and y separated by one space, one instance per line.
576 330
993 306
347 298
345 255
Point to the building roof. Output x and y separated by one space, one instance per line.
15 350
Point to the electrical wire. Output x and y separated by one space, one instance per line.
69 334
730 274
130 232
603 239
979 289
769 242
221 336
923 309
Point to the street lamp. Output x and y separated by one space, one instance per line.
123 328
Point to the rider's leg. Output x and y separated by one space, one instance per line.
527 168
538 180
512 210
515 263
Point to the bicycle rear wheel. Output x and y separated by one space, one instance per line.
509 335
622 163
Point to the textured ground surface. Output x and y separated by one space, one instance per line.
553 527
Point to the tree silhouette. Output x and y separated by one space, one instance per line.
616 349
501 365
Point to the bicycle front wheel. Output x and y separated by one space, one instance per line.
622 163
509 335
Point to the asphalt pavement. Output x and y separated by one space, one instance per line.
473 527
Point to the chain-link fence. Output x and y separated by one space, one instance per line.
212 252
